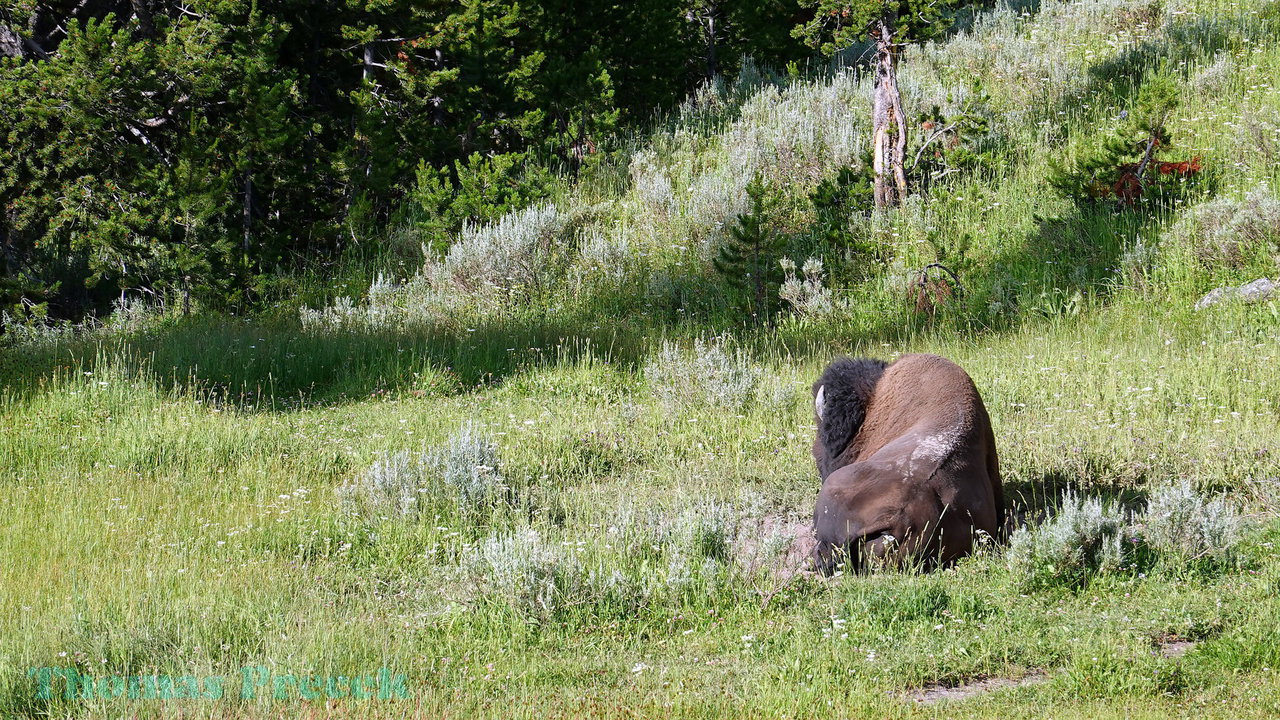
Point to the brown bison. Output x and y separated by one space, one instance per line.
908 464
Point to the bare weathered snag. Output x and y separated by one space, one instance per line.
889 125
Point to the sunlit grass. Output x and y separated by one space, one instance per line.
172 487
161 532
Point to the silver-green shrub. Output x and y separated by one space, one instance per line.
1085 537
484 266
1228 231
1183 525
469 467
388 488
709 374
642 557
463 472
17 331
379 312
538 578
523 570
779 394
706 530
503 254
805 292
30 327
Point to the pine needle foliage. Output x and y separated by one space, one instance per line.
1129 167
749 258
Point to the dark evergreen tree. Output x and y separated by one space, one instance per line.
749 257
1127 167
721 33
203 146
837 201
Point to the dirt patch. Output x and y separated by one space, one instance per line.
936 693
757 549
802 542
1174 647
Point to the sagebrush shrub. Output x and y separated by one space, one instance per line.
709 374
1184 526
806 293
463 472
521 569
29 323
778 394
611 255
1228 231
388 488
31 329
650 555
707 529
379 311
650 183
469 467
502 254
1086 537
485 265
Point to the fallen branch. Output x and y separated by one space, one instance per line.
927 142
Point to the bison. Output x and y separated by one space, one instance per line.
908 464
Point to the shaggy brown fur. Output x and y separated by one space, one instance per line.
908 463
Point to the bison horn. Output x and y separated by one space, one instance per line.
819 402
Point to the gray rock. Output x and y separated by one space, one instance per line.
1253 292
1257 291
1215 296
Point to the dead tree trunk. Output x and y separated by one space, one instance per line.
889 125
11 44
705 16
143 13
713 66
248 207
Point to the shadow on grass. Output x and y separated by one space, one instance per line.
277 365
1034 499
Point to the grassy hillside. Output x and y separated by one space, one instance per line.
552 474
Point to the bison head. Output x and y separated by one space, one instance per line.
840 399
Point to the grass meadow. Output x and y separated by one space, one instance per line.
580 487
158 528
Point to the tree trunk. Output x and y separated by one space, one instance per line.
11 44
143 13
759 288
712 64
889 125
313 83
9 268
248 206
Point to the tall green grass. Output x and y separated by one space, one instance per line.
173 486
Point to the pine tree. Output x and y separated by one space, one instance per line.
749 259
204 146
1127 168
